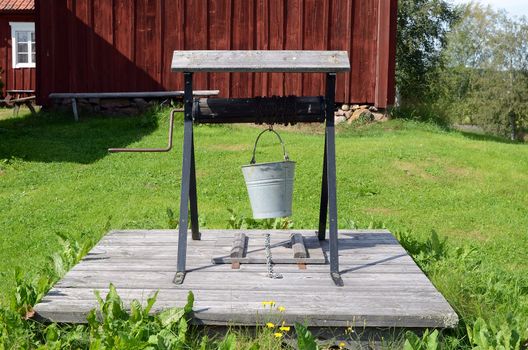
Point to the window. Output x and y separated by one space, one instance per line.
23 44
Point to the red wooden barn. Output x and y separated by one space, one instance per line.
127 45
17 49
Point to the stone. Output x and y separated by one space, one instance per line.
355 107
339 113
373 109
361 113
348 114
364 107
127 111
340 119
115 103
380 117
141 103
345 107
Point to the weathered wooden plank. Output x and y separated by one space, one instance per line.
176 296
170 266
139 94
383 287
260 61
202 279
239 244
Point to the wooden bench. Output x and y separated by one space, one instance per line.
17 98
111 95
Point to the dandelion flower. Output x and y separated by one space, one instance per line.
284 328
341 345
277 335
270 325
281 308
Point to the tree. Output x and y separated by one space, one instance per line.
486 74
423 26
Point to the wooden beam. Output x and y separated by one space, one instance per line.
287 61
142 94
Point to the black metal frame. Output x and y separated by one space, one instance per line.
328 186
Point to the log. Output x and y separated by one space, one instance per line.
299 250
259 110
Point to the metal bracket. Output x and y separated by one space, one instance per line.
179 277
336 277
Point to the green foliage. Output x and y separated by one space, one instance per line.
484 336
27 292
305 338
485 81
428 341
119 329
172 221
241 222
228 343
423 26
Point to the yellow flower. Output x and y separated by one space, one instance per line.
284 328
281 308
269 303
349 330
341 345
277 335
270 325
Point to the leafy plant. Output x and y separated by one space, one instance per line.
111 326
305 338
228 343
483 335
173 221
240 222
28 292
428 341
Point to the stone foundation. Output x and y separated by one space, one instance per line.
363 113
109 106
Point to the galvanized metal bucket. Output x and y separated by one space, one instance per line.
270 185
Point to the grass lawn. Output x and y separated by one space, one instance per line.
57 177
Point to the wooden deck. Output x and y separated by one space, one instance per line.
383 287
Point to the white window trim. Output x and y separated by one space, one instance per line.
17 27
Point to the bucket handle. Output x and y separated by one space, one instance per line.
257 140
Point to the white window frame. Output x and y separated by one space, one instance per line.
21 27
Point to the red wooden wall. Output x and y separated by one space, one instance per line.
127 45
20 78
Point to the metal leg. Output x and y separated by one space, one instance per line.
194 198
323 209
186 180
74 108
331 172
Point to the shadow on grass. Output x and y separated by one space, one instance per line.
55 137
487 137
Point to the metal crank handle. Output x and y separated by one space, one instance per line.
167 149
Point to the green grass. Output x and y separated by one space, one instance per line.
56 177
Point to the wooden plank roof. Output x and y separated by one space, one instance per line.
17 5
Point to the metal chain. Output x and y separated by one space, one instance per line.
267 245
